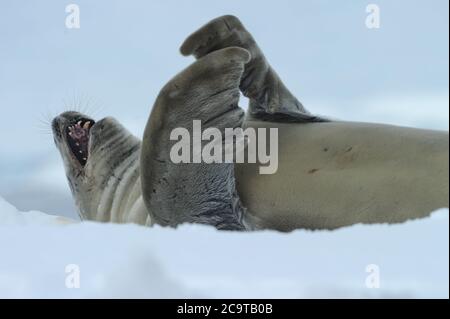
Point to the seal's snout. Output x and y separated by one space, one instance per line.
55 127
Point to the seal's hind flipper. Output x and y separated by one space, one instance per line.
269 97
176 193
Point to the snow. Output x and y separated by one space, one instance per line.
10 215
39 251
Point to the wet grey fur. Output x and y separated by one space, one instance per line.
229 61
269 97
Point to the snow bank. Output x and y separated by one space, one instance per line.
9 215
41 258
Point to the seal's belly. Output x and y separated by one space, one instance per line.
340 173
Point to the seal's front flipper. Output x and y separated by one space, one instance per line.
269 97
183 190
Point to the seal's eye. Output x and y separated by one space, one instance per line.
78 139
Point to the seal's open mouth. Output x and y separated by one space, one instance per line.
78 139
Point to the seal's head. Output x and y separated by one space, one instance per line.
92 152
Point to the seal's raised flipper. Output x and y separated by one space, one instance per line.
269 97
176 193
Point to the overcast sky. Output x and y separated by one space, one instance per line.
125 51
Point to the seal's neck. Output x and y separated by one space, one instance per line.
112 167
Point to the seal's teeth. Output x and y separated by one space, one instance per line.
77 144
86 125
81 152
79 123
84 159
